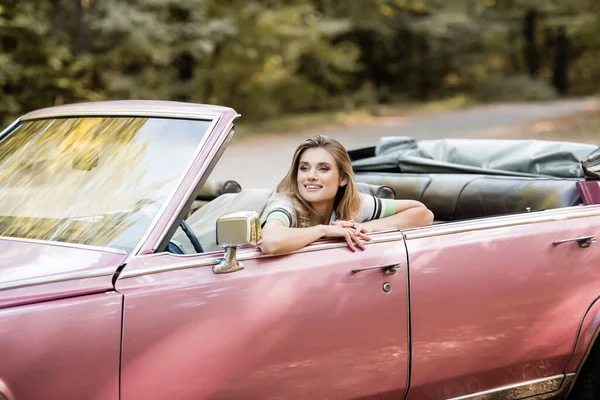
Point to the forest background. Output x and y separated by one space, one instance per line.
269 58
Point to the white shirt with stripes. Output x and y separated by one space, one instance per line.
280 207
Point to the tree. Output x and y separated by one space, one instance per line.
266 57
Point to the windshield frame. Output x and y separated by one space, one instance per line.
138 112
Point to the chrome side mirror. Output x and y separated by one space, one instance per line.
235 230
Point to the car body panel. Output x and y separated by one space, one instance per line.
171 109
297 326
589 191
495 306
216 139
35 271
482 305
590 328
219 132
63 349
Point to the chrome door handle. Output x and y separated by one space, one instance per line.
584 241
388 269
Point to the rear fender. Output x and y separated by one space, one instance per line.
588 332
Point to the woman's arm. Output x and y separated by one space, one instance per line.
279 239
409 214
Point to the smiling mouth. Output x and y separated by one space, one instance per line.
312 187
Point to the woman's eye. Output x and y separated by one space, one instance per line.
324 169
303 169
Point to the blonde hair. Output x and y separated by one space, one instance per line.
347 200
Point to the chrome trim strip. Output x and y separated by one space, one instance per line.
213 157
560 393
125 112
96 273
387 236
504 221
9 127
66 244
170 197
326 246
252 254
564 390
519 390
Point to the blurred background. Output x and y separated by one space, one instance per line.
268 58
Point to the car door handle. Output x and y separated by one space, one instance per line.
388 269
584 241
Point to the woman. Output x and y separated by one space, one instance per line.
318 198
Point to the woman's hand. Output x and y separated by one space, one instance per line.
351 224
351 234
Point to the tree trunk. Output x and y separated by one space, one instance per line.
560 78
80 45
513 52
531 52
425 69
212 65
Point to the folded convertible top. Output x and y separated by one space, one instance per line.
480 156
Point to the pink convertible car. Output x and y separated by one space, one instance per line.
127 273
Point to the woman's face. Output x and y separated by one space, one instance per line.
318 176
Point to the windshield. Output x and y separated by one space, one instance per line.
93 181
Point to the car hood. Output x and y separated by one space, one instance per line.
34 271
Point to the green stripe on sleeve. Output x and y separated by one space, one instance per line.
389 207
281 216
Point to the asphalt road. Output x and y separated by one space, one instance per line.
262 160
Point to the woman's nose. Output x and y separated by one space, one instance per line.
311 174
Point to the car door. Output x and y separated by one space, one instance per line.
496 303
60 321
295 326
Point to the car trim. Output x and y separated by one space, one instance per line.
96 273
409 338
138 112
562 392
9 128
214 157
458 227
504 221
252 254
125 112
588 351
66 244
171 196
521 390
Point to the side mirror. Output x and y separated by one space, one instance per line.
235 230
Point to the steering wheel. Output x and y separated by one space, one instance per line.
191 236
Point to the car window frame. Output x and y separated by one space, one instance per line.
211 117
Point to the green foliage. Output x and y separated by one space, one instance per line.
268 57
283 61
33 63
515 88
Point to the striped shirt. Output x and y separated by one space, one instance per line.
371 208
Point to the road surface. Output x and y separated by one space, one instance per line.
261 161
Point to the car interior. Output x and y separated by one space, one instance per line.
451 197
454 197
